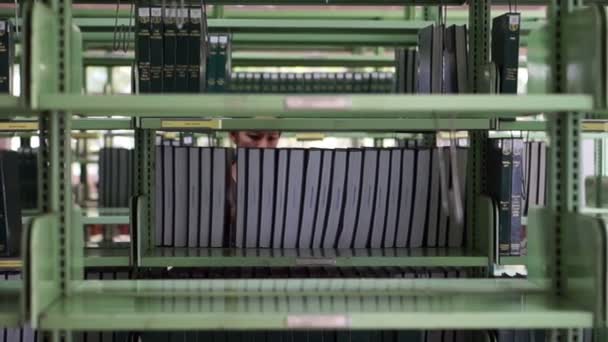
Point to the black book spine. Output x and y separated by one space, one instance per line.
10 209
5 57
169 49
516 196
505 50
143 49
504 197
181 59
156 50
194 52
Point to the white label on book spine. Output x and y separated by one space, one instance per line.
144 12
318 102
157 12
318 321
195 13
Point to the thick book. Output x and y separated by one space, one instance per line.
195 66
533 175
142 49
156 50
180 216
516 196
114 177
505 50
450 73
323 198
353 194
309 207
456 228
7 48
425 61
241 203
168 193
10 210
293 208
431 226
462 61
169 48
406 197
158 193
367 197
221 167
182 38
420 206
267 202
437 61
382 194
194 194
542 175
254 195
393 200
123 178
211 71
280 198
205 201
222 65
445 197
337 198
500 187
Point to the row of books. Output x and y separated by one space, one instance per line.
173 56
406 70
317 82
191 196
443 59
516 176
115 177
348 198
28 177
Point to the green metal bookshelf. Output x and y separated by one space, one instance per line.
567 253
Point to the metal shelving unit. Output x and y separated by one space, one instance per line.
566 288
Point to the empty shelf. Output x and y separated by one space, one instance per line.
331 304
100 257
264 257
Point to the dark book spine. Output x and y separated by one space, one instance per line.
504 197
143 49
156 50
516 196
194 51
5 57
10 209
505 50
181 58
169 49
211 74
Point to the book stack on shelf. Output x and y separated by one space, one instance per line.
516 176
171 52
115 177
312 82
406 70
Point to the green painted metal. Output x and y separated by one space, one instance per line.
106 216
107 257
218 257
341 305
10 303
350 106
270 60
337 125
42 276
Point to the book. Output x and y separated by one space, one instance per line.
533 175
205 197
311 190
268 199
158 193
425 61
180 205
10 210
437 54
393 200
367 199
156 50
142 49
434 206
462 61
323 200
382 196
254 180
221 174
406 200
450 73
516 195
456 228
445 196
195 53
169 48
420 205
500 188
337 192
280 198
182 54
505 50
194 194
168 193
542 175
212 63
351 200
293 208
222 65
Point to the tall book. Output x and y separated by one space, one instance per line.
241 203
352 197
180 216
382 195
366 202
156 50
323 198
195 67
205 200
450 77
501 189
212 63
393 200
182 53
462 61
437 61
280 198
168 192
221 174
420 205
169 48
505 50
425 48
406 199
158 192
254 183
267 203
142 49
194 194
432 230
10 210
222 65
516 196
293 208
309 207
338 197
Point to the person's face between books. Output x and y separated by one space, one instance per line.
257 139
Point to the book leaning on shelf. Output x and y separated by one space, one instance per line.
10 209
